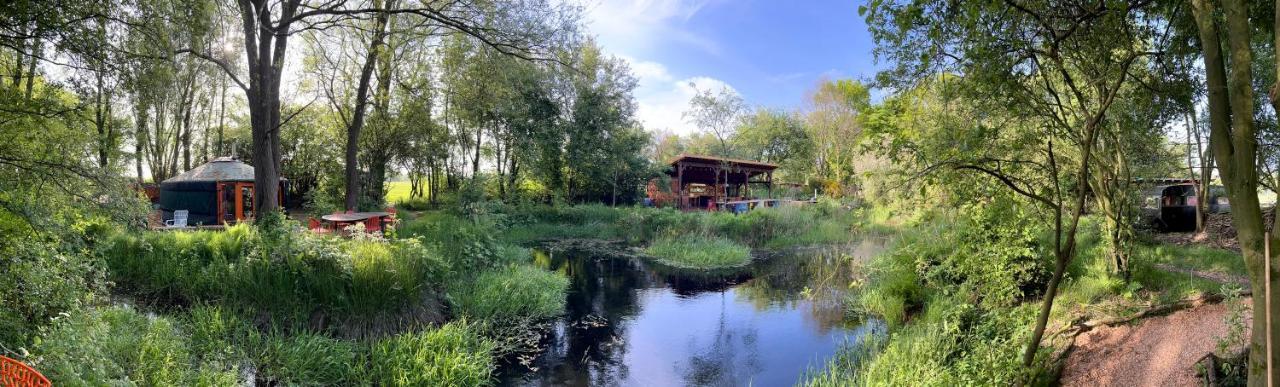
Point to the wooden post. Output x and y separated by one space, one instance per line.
769 183
680 185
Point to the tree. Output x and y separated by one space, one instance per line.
1233 139
1056 69
267 26
773 136
716 112
834 123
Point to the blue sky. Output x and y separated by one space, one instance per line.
771 52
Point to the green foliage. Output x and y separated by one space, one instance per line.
699 251
291 274
452 355
118 345
39 281
514 293
466 245
304 359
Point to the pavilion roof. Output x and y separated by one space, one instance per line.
721 160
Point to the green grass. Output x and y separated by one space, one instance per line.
453 355
397 191
699 252
514 293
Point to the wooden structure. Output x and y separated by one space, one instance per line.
707 182
218 192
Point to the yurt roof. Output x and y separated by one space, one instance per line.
220 169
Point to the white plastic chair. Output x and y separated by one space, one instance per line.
179 220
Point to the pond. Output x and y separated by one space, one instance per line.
634 322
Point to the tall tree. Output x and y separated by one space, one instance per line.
1233 139
267 26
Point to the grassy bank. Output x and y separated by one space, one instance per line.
668 234
959 292
694 251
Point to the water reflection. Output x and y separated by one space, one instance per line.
632 322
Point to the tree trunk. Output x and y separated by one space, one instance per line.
1235 149
139 136
222 117
352 171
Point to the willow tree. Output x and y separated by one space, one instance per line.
1045 75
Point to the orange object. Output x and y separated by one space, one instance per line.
373 224
15 374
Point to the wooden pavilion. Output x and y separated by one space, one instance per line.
700 181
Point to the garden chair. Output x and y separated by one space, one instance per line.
14 373
316 226
373 225
179 219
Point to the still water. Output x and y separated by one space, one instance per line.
634 322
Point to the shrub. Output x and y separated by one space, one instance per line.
38 282
453 355
518 293
701 252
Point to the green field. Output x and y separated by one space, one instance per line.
397 191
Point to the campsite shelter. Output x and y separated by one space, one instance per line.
220 191
699 180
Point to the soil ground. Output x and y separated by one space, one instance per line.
1158 351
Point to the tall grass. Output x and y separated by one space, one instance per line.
453 355
296 276
699 252
518 292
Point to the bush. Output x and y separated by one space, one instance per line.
38 281
700 252
514 293
453 355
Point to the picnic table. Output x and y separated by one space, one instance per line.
342 220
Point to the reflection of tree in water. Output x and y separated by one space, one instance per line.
586 348
818 278
715 365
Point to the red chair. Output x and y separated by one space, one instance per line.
316 226
14 373
373 224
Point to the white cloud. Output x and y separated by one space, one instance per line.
635 29
645 25
663 98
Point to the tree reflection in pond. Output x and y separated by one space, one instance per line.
632 322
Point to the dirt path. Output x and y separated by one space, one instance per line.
1209 275
1158 351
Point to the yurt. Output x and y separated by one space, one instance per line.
220 191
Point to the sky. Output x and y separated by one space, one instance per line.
770 52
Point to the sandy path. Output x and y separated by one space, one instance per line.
1159 351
